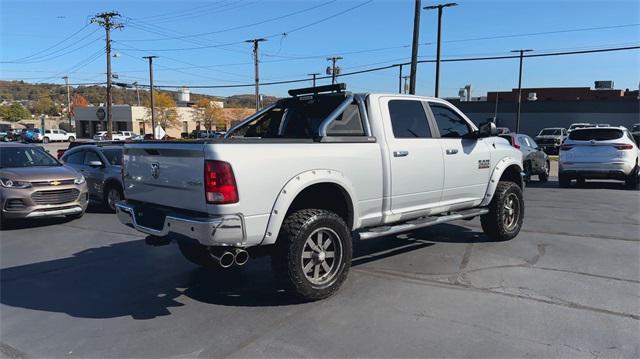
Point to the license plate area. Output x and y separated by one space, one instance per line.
150 217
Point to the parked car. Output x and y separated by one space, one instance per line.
599 153
14 134
115 135
550 139
635 132
101 165
579 125
34 184
297 179
503 130
58 136
31 135
535 161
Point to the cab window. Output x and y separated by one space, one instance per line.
91 156
450 124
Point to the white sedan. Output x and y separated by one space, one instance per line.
599 153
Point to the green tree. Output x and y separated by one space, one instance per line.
210 114
44 105
165 110
15 113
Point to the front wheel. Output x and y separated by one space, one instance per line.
506 213
313 253
72 139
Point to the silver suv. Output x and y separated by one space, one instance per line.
101 166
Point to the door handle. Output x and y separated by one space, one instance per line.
400 153
451 151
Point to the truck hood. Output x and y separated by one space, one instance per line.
549 136
35 173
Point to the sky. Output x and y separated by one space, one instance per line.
200 43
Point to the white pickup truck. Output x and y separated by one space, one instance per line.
299 179
58 135
115 135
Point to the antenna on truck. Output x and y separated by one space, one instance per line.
340 87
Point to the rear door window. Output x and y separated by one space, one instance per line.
76 158
596 134
408 119
91 156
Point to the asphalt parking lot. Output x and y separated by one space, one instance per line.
568 285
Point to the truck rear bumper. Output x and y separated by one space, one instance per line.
227 230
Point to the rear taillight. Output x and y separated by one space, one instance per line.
60 153
623 146
566 147
219 183
514 140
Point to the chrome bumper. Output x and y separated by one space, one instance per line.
215 231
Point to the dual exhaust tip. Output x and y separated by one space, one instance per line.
227 258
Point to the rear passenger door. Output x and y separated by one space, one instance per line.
467 161
415 155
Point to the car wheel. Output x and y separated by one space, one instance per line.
563 180
112 196
544 176
198 254
506 212
45 140
633 179
72 139
313 253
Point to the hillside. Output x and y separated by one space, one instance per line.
23 91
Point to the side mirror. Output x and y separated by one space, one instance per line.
96 164
487 129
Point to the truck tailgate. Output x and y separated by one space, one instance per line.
168 174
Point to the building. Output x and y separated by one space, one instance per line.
90 120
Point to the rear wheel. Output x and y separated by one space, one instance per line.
506 213
313 253
112 196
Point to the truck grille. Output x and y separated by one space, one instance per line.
58 196
546 141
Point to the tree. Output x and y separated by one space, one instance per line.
45 106
209 113
165 110
15 113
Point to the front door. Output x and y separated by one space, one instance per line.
467 161
415 156
93 175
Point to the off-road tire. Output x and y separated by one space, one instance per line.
544 176
563 180
287 258
493 223
198 254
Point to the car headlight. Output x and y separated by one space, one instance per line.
79 180
7 183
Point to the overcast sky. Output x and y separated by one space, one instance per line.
200 42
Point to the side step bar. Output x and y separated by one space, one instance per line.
419 223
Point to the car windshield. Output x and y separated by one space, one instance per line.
550 132
114 156
26 157
596 134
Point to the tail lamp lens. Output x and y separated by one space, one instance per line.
220 183
623 146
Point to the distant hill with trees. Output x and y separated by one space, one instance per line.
95 94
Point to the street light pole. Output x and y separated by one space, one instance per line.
439 7
414 48
256 59
153 110
521 52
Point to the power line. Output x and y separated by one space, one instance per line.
54 45
56 54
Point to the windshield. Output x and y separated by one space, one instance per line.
596 134
301 118
550 132
26 157
114 156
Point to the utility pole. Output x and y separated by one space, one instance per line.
414 48
153 109
439 7
314 77
521 52
66 81
135 84
256 59
335 70
406 87
400 79
105 20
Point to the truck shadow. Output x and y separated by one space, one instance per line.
131 279
589 184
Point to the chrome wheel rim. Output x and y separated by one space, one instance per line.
112 197
321 256
511 211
